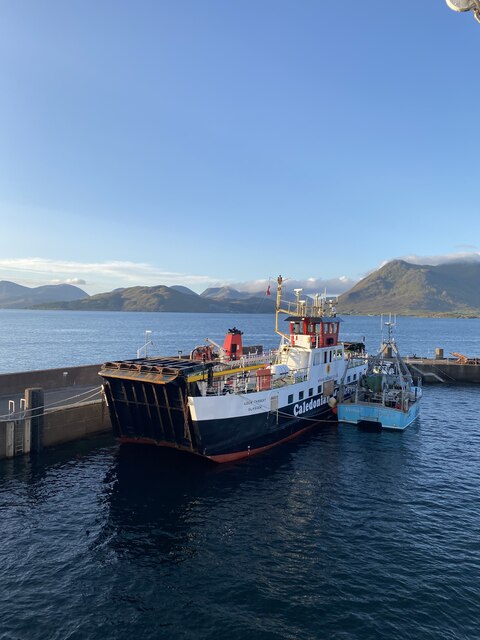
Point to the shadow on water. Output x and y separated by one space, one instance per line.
158 500
32 470
368 425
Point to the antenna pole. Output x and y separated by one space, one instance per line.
278 302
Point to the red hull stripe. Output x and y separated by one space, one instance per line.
238 455
221 458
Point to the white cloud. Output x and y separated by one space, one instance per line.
106 276
461 256
75 281
311 285
102 276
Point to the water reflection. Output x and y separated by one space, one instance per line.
165 506
150 494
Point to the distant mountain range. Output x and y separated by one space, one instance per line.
176 298
398 287
16 296
423 290
226 293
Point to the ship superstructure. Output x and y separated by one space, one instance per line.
230 402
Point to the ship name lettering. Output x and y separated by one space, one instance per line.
298 408
254 405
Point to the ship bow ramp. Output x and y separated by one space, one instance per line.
148 400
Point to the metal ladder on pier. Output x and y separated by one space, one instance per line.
17 427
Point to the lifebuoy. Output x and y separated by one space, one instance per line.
328 368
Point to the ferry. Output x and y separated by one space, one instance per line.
229 402
385 396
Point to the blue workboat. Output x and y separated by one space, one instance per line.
385 396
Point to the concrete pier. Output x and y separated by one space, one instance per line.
443 370
86 375
48 411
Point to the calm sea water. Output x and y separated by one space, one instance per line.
342 533
47 339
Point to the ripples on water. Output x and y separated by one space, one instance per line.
47 339
341 534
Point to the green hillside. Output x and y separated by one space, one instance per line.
409 289
162 298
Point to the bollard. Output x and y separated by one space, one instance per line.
27 426
9 439
34 399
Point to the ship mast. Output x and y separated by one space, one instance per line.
278 308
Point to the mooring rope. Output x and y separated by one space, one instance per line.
89 394
289 415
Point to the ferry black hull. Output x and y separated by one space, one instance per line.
240 437
145 413
233 439
287 429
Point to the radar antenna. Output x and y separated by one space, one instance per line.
299 302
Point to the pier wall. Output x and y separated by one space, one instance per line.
3 440
12 383
73 423
62 425
443 370
69 420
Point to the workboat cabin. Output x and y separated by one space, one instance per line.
230 401
385 395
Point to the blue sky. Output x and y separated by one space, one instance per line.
204 142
